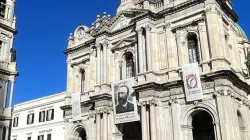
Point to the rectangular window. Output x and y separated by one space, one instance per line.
15 122
42 116
29 138
63 113
48 136
30 118
50 115
40 137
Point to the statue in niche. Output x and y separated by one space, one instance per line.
13 54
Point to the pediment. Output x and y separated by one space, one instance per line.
120 23
123 43
125 18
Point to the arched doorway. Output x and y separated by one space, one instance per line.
130 131
80 134
202 126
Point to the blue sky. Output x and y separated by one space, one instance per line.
43 29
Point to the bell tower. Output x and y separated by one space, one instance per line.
8 70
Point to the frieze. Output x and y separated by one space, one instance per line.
173 100
207 85
68 112
3 37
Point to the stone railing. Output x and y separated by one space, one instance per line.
158 4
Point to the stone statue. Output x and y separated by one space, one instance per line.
248 60
13 54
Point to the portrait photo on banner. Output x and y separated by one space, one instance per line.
124 102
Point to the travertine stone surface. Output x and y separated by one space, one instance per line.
156 34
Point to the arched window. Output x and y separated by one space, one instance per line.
82 71
193 51
129 65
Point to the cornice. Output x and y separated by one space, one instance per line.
196 21
175 9
38 106
79 47
40 126
228 11
8 28
223 74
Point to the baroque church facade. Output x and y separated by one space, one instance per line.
8 70
149 41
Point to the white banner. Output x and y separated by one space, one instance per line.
192 82
124 101
76 106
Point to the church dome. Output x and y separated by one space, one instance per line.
240 32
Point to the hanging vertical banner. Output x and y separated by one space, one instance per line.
76 106
124 101
192 82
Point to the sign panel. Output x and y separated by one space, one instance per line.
124 101
76 106
192 82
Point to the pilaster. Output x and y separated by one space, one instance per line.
216 38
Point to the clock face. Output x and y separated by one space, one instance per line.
80 33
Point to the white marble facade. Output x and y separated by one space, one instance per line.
8 70
150 41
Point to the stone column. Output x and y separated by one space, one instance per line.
153 127
140 54
7 133
105 75
179 49
204 47
98 65
226 113
11 92
1 130
144 121
98 125
105 124
120 68
148 48
176 113
216 37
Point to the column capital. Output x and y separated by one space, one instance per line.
142 103
120 63
178 35
167 25
148 27
139 30
105 43
173 100
153 102
98 45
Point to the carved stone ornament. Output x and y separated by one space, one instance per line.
209 9
207 85
139 30
142 103
173 100
148 28
167 25
196 103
